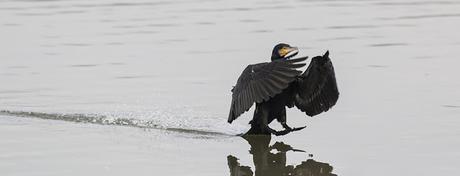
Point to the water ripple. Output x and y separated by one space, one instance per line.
417 3
337 38
104 120
76 44
352 27
133 77
387 44
84 65
451 106
414 17
124 4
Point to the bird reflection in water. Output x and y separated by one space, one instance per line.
270 160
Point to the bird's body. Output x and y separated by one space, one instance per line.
267 111
275 85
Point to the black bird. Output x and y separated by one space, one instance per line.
277 84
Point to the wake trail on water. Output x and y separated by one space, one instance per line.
113 121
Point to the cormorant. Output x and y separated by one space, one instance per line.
277 84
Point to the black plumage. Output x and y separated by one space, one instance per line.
277 84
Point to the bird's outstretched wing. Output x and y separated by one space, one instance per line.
261 81
317 87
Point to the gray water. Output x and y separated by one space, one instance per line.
85 72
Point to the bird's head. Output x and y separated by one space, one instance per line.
283 51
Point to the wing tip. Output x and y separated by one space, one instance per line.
231 117
230 120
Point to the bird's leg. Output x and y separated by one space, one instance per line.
277 133
282 119
283 132
287 127
270 130
286 130
259 123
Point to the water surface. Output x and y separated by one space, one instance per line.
143 87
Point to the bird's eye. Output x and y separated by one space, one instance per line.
283 51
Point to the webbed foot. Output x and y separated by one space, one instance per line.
285 131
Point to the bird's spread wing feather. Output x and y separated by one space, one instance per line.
317 87
259 82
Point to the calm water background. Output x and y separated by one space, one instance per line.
170 65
